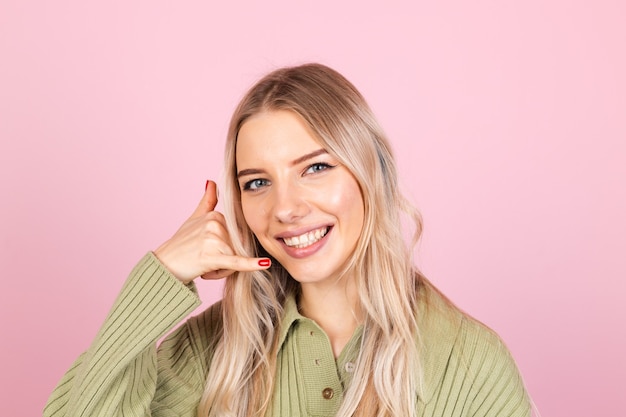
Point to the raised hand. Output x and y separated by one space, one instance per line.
202 246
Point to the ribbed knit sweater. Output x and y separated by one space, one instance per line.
467 370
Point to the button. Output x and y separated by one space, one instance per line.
349 367
328 393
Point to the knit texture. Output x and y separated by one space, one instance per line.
467 369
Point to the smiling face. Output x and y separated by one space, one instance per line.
304 207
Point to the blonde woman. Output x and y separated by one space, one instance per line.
323 311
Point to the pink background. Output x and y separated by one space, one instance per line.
507 118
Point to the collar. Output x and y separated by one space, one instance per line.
290 316
438 322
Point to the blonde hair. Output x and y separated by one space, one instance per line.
386 379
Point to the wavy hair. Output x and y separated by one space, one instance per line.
387 377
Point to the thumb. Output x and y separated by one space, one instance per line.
209 199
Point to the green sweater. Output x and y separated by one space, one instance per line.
467 369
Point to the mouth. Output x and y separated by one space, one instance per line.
306 239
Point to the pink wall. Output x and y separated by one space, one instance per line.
507 118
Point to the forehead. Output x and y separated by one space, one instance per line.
274 136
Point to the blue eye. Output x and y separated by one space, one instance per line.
255 184
317 167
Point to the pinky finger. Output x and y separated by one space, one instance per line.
217 274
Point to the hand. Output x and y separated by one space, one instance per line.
202 246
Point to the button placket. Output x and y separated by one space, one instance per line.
322 382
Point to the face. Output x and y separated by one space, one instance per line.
304 207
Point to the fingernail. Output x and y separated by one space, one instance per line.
206 185
264 262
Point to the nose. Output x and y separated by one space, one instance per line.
289 204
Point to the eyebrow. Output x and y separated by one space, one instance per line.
254 171
308 156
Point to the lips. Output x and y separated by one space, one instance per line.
306 239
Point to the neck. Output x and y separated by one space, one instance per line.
335 309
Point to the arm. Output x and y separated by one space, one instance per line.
118 373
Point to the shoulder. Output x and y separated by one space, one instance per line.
445 328
195 339
206 327
459 351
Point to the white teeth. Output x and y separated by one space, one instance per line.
306 239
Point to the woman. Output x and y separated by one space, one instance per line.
323 314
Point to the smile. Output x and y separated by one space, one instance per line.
306 239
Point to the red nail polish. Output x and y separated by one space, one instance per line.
206 185
264 262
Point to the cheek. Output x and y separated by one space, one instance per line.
248 215
254 216
346 198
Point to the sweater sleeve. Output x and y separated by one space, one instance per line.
497 389
117 375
